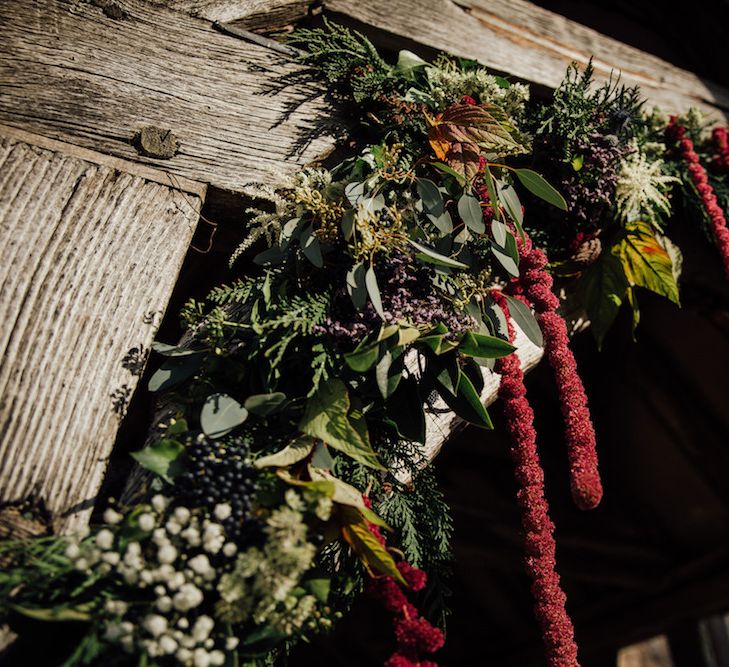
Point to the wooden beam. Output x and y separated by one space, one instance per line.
253 14
73 72
88 259
533 44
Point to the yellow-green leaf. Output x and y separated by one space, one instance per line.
295 451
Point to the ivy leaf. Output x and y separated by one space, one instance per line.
220 414
485 347
604 285
326 416
645 261
295 451
374 291
265 404
161 458
430 256
471 213
173 371
525 320
538 186
371 553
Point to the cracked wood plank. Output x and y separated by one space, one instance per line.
533 44
71 72
249 14
89 256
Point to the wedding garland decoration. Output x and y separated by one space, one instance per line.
287 472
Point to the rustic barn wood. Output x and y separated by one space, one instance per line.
88 258
251 14
523 40
75 72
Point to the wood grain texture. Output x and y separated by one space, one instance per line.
536 45
253 14
88 260
70 72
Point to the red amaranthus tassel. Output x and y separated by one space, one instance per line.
720 161
549 599
536 285
414 634
698 175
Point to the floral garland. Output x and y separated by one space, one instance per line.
296 406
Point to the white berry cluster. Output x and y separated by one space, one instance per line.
172 561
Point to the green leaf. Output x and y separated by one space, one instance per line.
467 403
407 335
507 255
442 222
603 287
177 426
161 458
312 249
173 371
471 213
363 357
294 452
265 404
645 260
374 291
356 287
386 382
536 184
407 62
322 458
373 555
431 196
319 587
499 231
525 320
269 257
577 162
173 351
57 614
430 256
440 166
493 198
326 416
485 347
220 414
348 223
510 200
354 192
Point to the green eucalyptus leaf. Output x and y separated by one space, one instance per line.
491 188
363 358
505 256
374 291
471 213
387 378
220 414
269 257
499 231
525 320
431 196
348 224
408 62
354 192
430 256
161 458
265 404
448 170
442 222
356 287
537 185
321 458
311 247
510 200
173 371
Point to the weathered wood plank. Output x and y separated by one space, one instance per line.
70 72
536 45
252 14
88 260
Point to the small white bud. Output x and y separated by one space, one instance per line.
110 557
146 522
231 643
167 645
167 554
155 624
217 658
230 549
222 511
202 628
81 564
159 503
164 603
112 517
201 658
72 551
182 515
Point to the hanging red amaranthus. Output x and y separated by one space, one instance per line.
535 284
720 161
549 599
414 634
677 133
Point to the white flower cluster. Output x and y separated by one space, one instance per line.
449 84
642 188
262 585
173 561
